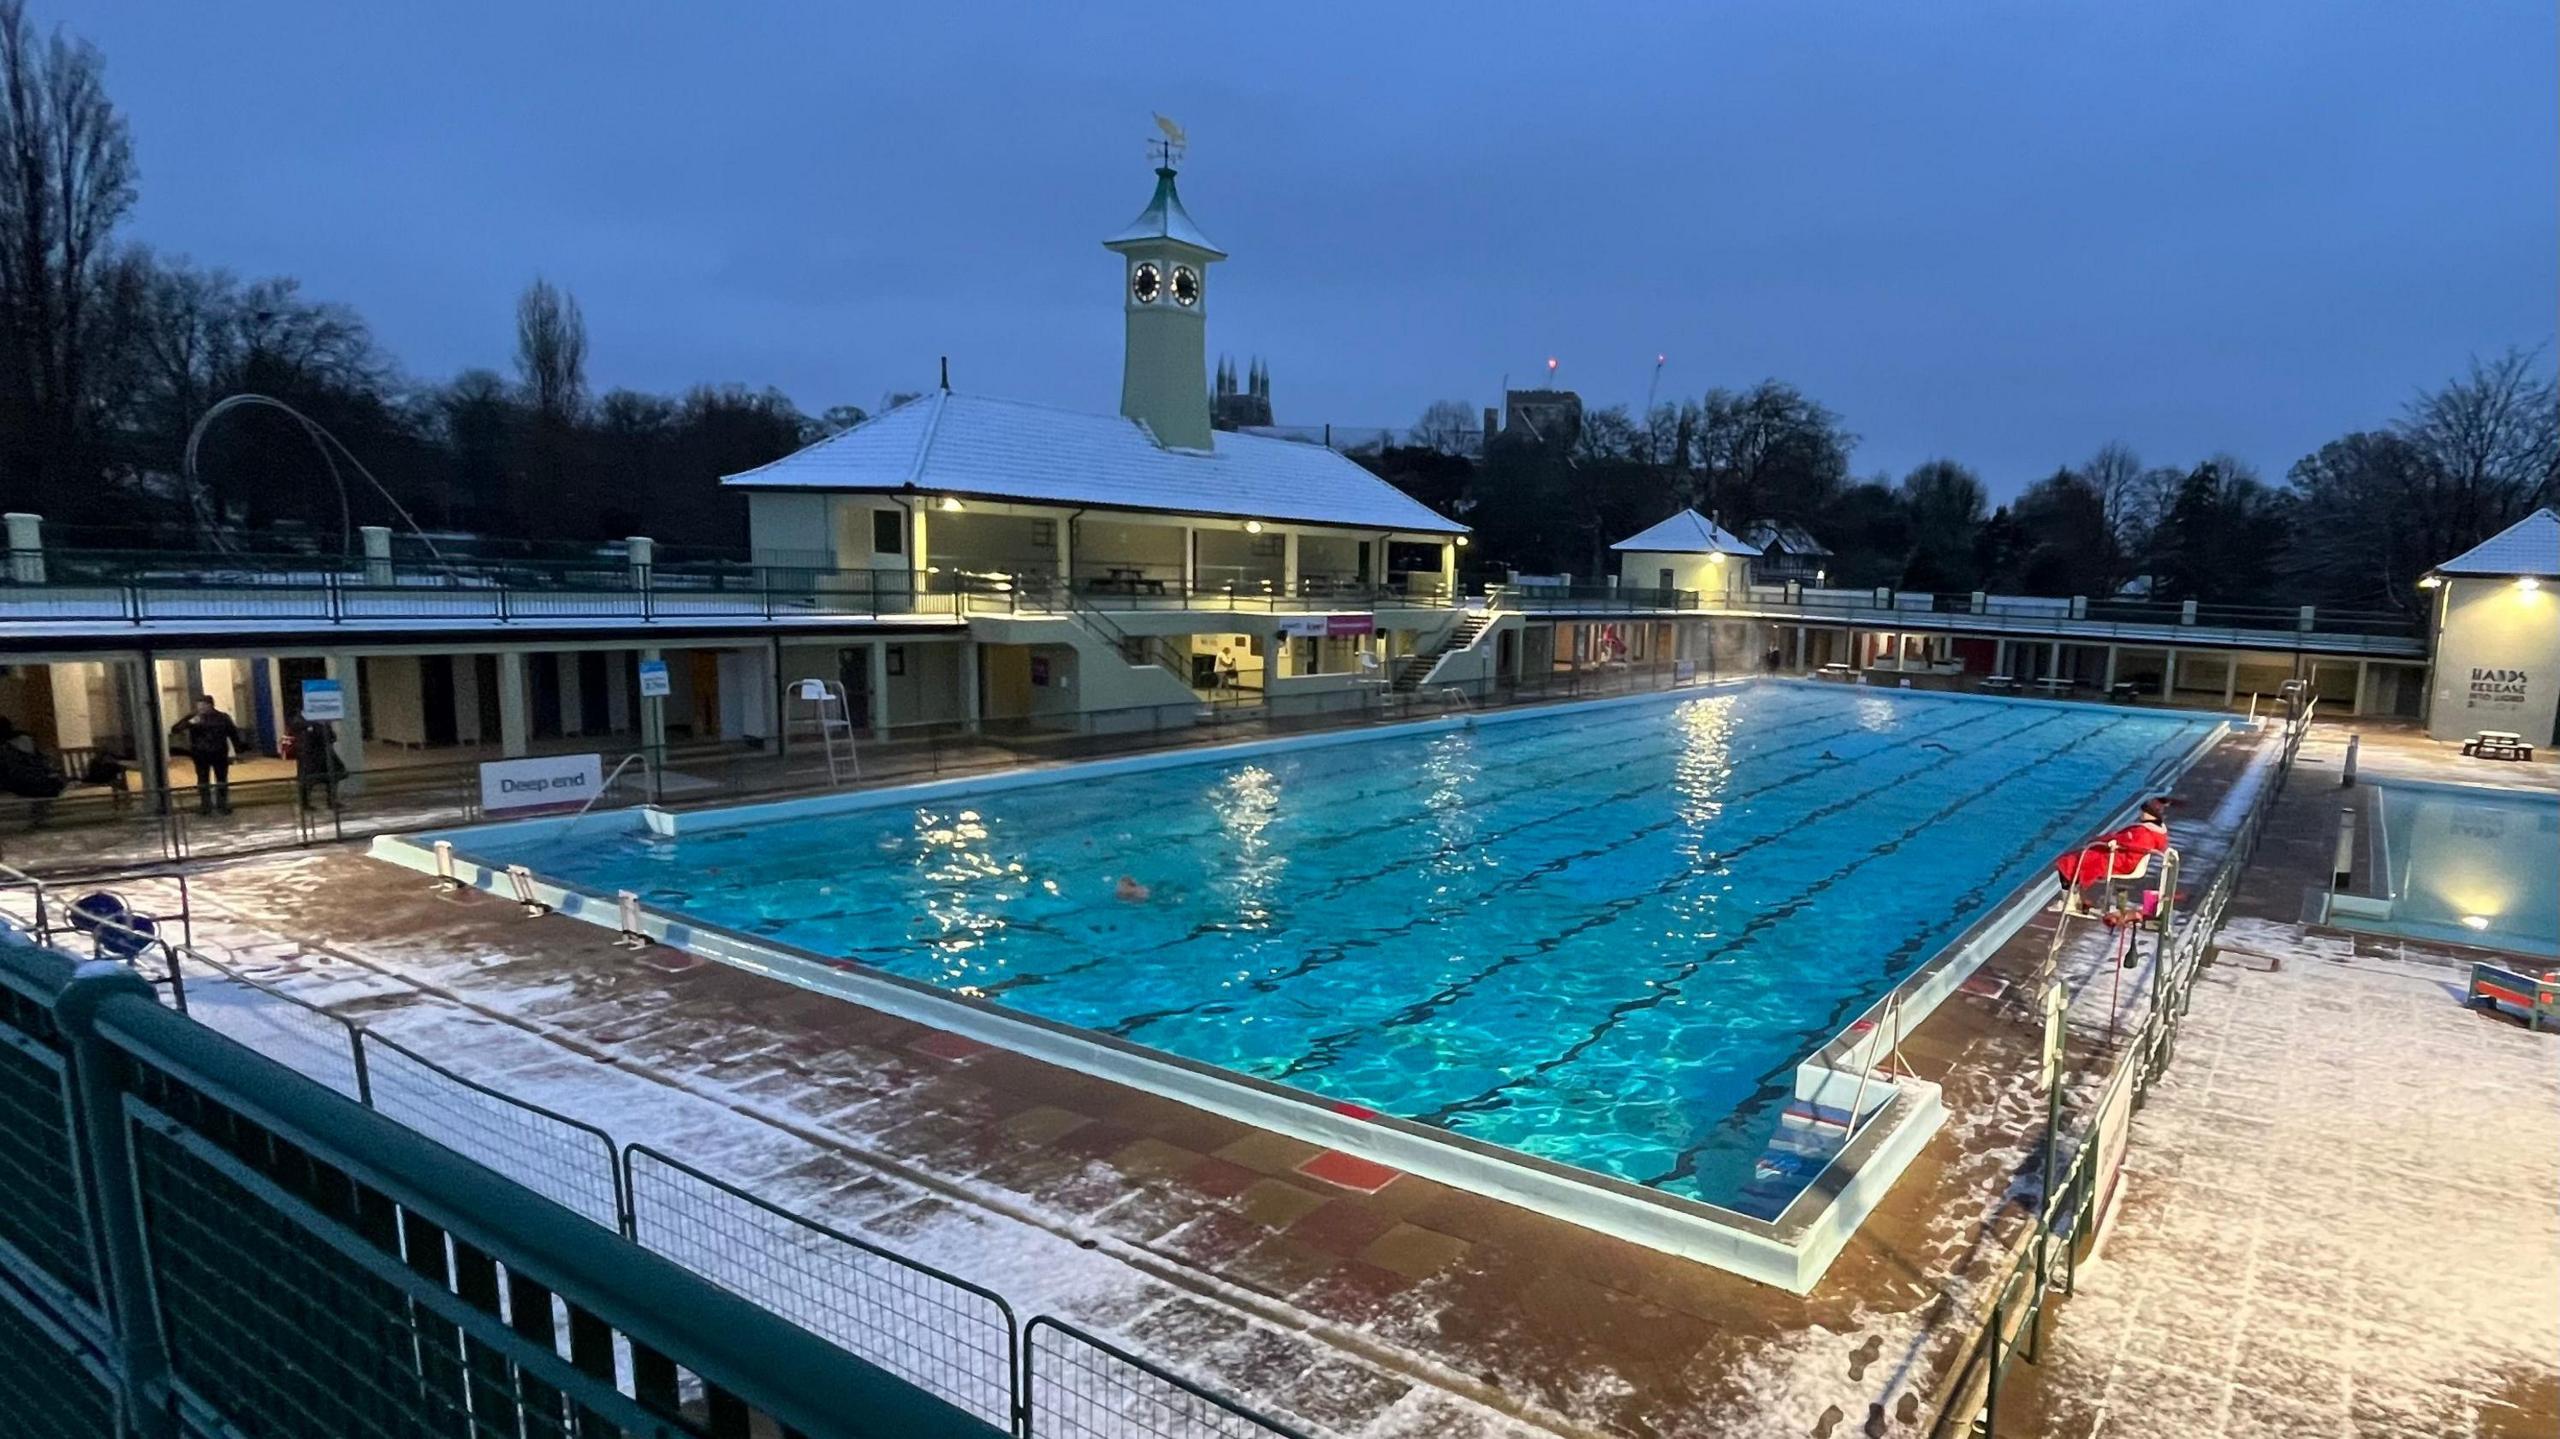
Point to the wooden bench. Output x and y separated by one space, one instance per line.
2535 998
2498 744
2000 684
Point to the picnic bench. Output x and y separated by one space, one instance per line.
2000 684
2535 998
1130 582
1837 672
2053 686
2498 744
2124 692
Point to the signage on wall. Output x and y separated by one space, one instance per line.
2498 687
1328 626
653 679
324 700
534 786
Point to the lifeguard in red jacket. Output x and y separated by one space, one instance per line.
2133 847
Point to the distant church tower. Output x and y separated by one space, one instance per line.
1164 378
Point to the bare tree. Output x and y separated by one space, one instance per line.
2493 437
551 351
1444 426
66 181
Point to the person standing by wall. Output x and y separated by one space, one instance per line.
210 738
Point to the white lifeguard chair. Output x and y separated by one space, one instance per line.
834 716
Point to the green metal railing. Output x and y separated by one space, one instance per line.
201 1241
2045 1256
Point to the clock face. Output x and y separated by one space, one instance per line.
1146 283
1186 286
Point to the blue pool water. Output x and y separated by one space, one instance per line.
2473 866
1606 937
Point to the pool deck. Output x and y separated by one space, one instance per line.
2342 1204
1355 1299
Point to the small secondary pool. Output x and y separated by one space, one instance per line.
1606 936
2467 865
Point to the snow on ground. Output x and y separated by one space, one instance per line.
2342 1214
1040 1264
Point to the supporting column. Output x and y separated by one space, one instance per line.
1289 564
151 747
2168 674
26 548
2053 660
1800 632
2000 657
2362 667
515 727
2230 678
969 684
916 562
653 714
1066 556
1449 571
879 662
2111 667
1190 562
350 730
377 556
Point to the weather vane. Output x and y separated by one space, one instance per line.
1168 149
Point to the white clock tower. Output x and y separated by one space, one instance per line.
1164 289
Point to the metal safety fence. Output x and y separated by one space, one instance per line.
215 1245
2044 1257
959 1342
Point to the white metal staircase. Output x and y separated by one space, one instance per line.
1416 667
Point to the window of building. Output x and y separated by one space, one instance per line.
888 532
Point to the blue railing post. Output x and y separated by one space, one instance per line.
106 1172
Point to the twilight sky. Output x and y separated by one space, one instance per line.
2000 232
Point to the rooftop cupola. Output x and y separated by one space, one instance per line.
1164 291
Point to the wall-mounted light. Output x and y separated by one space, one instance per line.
950 504
2475 921
2431 582
1715 559
2528 583
1462 542
1253 527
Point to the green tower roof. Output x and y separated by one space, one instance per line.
1165 219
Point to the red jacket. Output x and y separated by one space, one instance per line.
2133 844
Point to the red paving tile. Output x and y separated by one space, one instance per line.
1350 1171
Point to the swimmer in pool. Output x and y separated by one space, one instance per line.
1129 891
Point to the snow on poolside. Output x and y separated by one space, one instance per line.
1038 1269
2342 1213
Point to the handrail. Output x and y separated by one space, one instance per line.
808 1384
605 788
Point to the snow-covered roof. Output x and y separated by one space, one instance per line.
1686 533
1788 538
1165 219
2530 546
972 446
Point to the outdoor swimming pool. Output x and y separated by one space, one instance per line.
1606 936
2469 866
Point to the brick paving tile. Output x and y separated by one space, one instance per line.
1270 1153
1414 1252
1220 1178
1152 1158
1344 1226
1276 1203
1043 1124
